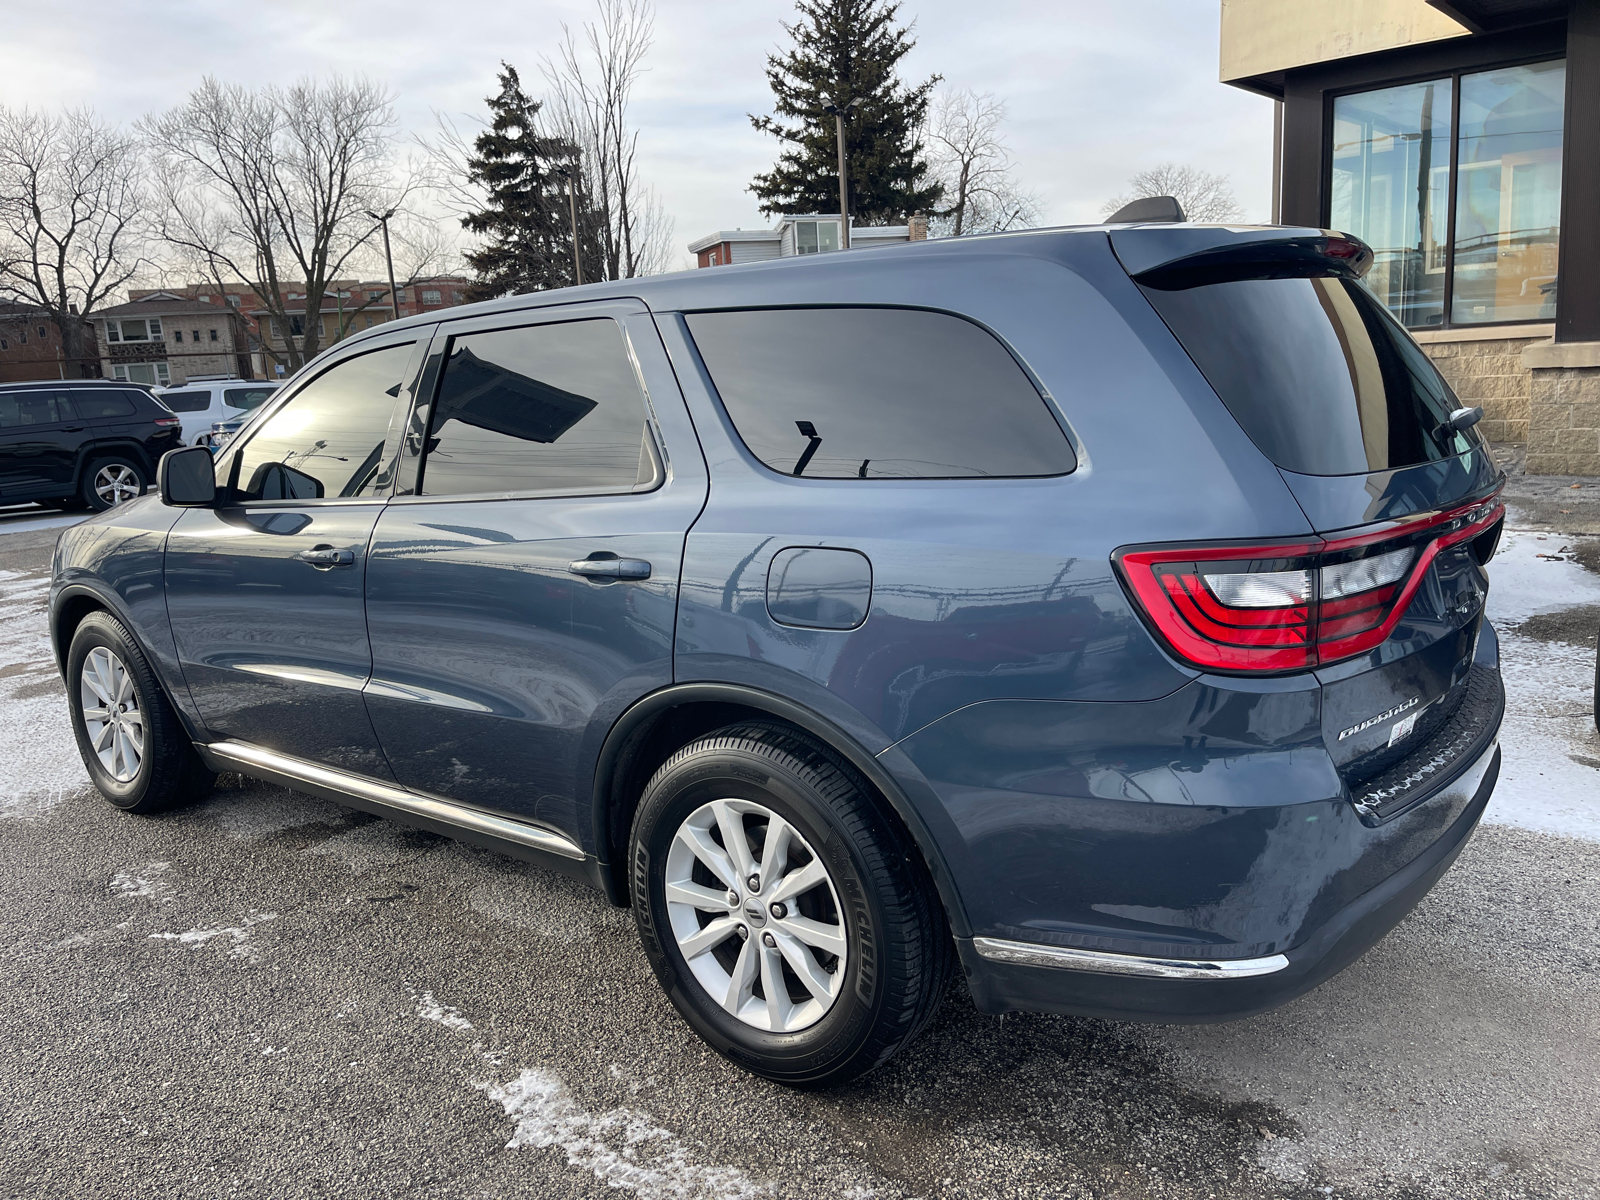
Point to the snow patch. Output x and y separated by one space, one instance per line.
145 883
447 1015
622 1147
1534 573
243 946
39 763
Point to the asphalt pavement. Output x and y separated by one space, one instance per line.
271 995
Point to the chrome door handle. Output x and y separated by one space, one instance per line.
611 568
323 557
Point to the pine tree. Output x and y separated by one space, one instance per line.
846 50
526 226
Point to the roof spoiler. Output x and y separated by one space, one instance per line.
1151 210
1183 258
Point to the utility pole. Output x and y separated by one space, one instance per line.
570 174
838 110
394 294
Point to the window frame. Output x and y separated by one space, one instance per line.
411 470
707 380
418 339
1453 75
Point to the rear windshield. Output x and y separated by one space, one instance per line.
1321 377
186 401
247 398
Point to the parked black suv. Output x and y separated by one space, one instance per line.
83 443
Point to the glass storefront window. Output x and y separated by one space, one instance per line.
1390 184
1508 194
1391 170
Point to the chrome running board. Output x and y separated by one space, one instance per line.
1032 954
335 784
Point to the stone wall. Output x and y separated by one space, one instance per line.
1489 374
1564 430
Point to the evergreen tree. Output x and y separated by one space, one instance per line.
526 222
846 50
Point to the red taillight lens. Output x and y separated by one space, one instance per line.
169 420
1291 606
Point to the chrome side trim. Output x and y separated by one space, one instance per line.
1032 954
253 760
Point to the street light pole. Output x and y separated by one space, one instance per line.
570 174
838 110
394 294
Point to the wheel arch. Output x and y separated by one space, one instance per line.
116 447
655 727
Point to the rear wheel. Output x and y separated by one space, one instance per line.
784 912
108 482
132 743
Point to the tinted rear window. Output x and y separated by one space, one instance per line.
878 393
101 406
186 401
1321 377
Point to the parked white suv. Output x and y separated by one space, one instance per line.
201 402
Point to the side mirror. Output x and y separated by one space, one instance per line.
186 477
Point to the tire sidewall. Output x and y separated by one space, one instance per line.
86 493
98 630
730 773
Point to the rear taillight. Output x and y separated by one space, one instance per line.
169 420
1289 606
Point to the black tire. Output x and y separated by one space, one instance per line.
169 772
900 952
89 491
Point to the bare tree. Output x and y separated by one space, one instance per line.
275 187
1204 196
591 85
968 155
72 226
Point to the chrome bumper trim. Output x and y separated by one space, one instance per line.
1032 954
283 768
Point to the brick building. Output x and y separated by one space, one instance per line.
30 347
1460 139
164 339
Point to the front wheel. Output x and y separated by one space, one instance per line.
130 738
783 910
108 482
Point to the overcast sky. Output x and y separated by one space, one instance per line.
1095 91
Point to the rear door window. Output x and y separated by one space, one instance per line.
545 408
878 393
1317 372
186 401
332 439
99 405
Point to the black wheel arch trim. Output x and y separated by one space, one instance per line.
673 696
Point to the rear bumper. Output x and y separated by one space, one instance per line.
1006 975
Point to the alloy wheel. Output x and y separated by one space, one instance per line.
111 714
116 483
756 915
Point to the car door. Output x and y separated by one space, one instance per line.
265 589
39 437
523 594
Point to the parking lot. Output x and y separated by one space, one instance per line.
271 995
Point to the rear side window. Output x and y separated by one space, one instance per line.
246 398
332 438
1317 372
22 409
102 406
186 401
543 408
878 393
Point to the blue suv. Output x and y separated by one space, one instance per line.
1095 612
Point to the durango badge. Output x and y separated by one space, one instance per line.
1381 717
